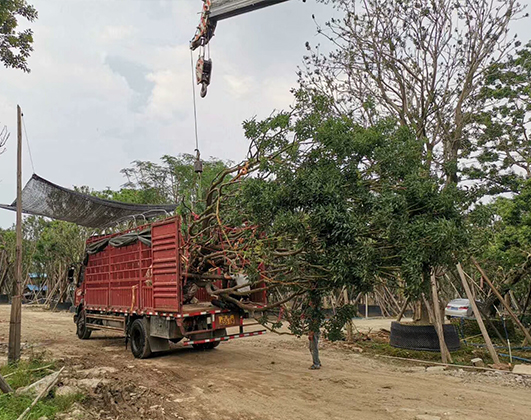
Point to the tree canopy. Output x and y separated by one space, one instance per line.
16 45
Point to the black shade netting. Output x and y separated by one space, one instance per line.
43 198
121 240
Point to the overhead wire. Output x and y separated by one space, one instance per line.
27 143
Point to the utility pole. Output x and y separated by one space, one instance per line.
16 312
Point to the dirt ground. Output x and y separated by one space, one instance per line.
262 378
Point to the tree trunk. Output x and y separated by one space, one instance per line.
350 327
421 314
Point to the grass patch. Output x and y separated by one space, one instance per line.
24 373
460 357
12 406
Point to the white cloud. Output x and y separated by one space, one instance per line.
116 33
238 86
171 95
81 125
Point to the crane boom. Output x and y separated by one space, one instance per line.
214 11
224 9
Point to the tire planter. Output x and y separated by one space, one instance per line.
422 337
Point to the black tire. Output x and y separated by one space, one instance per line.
83 332
422 337
139 339
206 346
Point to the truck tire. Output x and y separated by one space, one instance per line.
83 332
206 346
422 337
140 339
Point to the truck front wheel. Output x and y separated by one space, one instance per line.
83 332
140 340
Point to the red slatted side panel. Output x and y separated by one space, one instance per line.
125 277
202 295
166 241
97 275
146 289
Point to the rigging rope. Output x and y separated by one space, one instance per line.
198 165
193 94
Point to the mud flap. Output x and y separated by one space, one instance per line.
159 344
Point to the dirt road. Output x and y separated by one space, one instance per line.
265 378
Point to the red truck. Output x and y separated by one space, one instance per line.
133 282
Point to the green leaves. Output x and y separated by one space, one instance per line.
15 47
502 148
359 201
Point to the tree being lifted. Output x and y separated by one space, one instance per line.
359 181
323 203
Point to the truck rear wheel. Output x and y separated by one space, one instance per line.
206 346
140 339
83 332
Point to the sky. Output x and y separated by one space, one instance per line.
111 82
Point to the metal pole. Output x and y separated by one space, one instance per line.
366 306
15 321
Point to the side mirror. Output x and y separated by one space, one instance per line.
70 274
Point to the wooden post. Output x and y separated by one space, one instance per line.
15 321
439 327
477 314
526 304
502 300
366 306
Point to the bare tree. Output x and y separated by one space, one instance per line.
4 136
419 61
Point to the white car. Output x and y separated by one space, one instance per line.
459 308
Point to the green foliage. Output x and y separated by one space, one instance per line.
502 238
503 148
358 201
15 47
334 325
48 246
